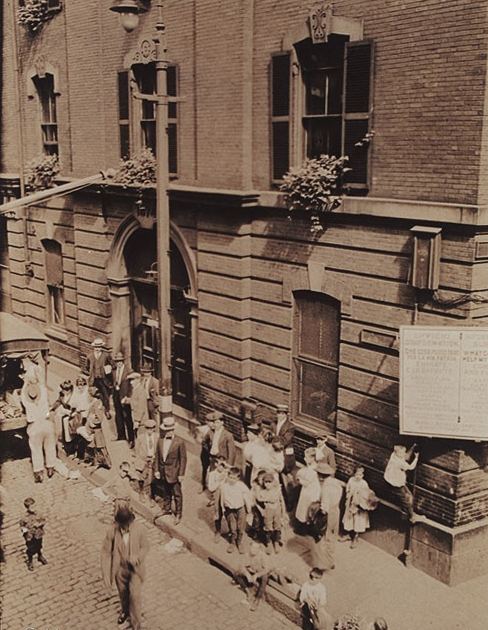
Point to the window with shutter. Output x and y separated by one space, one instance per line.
316 334
53 265
124 114
333 114
280 114
172 89
357 108
145 77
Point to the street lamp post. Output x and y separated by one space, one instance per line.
128 11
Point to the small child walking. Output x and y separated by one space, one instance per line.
32 528
313 599
216 478
360 499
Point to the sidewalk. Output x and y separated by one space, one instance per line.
366 580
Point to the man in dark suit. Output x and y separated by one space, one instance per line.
284 429
151 386
169 468
123 555
99 366
220 442
121 395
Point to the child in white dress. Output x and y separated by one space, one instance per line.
310 487
359 500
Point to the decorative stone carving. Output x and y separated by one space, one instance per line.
320 24
144 52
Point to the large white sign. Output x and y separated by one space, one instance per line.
444 382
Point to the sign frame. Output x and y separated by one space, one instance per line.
464 360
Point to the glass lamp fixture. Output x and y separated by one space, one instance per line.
128 11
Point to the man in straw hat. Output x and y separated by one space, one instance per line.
330 498
99 366
169 468
123 416
151 387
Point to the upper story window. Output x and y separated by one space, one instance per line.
47 101
316 335
326 109
51 4
137 117
53 264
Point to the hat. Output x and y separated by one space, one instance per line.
253 428
28 502
119 356
168 423
146 368
149 423
98 343
33 390
281 407
268 477
214 415
324 469
134 375
321 438
66 386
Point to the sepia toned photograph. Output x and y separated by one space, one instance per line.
243 315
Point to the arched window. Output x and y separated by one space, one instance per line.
53 264
316 335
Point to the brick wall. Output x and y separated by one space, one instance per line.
429 90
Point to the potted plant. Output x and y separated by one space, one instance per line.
40 173
315 187
34 13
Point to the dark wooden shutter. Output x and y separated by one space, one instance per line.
172 90
280 114
124 114
53 262
357 110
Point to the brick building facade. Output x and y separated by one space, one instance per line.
264 311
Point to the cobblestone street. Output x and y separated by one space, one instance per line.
181 592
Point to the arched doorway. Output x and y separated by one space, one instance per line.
139 262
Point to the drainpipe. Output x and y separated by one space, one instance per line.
20 135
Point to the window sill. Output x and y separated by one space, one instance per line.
57 333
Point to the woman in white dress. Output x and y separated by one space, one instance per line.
310 487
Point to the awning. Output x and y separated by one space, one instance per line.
56 191
17 337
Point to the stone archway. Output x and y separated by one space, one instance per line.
121 289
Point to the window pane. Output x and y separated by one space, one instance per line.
316 91
149 134
281 149
171 81
317 391
334 92
281 85
148 110
56 298
123 83
124 141
323 136
319 330
53 262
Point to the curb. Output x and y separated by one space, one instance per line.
281 597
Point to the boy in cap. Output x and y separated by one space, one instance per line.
32 528
233 500
169 468
145 452
254 573
313 598
396 477
99 366
269 501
